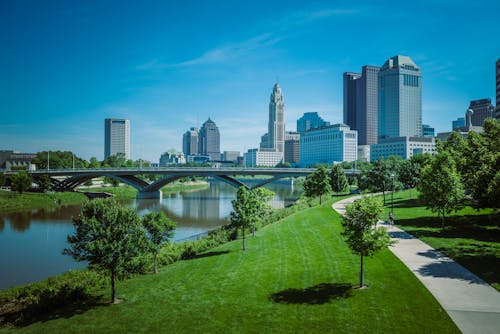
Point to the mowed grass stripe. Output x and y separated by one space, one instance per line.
231 292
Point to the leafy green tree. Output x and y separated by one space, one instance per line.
20 182
94 163
44 183
159 230
248 208
440 188
338 179
317 183
362 236
108 236
115 161
58 160
379 177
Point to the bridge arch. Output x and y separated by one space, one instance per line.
74 181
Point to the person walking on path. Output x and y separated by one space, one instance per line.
391 218
470 302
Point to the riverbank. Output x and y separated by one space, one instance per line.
13 201
296 276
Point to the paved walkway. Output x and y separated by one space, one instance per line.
473 305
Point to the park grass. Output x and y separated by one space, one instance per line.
471 237
295 277
12 201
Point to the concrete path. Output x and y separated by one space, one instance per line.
473 305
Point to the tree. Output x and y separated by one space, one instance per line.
2 179
44 183
94 163
159 230
362 236
58 159
317 183
440 188
20 182
108 236
248 207
379 177
338 179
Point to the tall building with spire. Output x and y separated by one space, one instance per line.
276 126
209 140
400 98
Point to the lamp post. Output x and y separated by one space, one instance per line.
392 193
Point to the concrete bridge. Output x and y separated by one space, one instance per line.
68 179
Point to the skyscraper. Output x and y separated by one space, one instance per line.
116 137
276 126
481 109
428 131
361 103
400 98
310 120
209 140
190 142
458 123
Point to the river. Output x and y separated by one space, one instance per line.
31 242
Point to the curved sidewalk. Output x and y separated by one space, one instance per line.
473 305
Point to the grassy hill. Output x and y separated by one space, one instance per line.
296 277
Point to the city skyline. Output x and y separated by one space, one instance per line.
167 66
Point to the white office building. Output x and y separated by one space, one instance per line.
116 137
328 145
258 157
405 147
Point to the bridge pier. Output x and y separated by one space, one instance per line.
149 194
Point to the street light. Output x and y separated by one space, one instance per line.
392 193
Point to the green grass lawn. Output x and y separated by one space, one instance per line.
12 201
295 277
471 237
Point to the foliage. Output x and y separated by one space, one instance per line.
94 163
108 236
248 208
2 179
338 179
115 161
379 177
159 230
44 183
409 173
362 236
58 160
440 187
20 182
317 183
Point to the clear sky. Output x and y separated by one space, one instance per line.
169 65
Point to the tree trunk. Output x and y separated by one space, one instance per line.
383 194
113 290
442 219
361 276
319 199
243 238
253 230
156 262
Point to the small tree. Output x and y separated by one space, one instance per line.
248 207
338 180
317 183
21 182
362 237
159 230
108 236
44 183
440 188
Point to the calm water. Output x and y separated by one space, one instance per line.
31 243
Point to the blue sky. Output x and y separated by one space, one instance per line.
169 65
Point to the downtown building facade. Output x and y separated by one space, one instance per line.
479 110
361 103
310 120
404 147
262 157
497 114
190 142
328 145
116 137
458 123
399 98
209 140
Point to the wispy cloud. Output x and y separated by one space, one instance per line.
221 54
